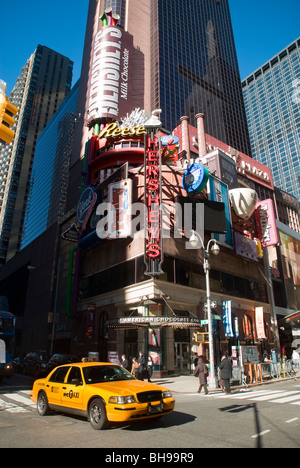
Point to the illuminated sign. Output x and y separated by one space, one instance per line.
119 216
114 131
153 241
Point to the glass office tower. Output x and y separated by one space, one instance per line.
192 61
50 173
44 83
272 100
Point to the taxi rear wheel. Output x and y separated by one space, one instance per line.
97 414
42 404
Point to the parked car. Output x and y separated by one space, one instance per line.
60 360
102 392
35 364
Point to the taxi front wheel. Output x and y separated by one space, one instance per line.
97 414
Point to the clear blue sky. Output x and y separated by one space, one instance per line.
262 28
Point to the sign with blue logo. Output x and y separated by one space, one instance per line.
195 178
86 204
227 319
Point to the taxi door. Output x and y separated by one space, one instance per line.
54 386
72 392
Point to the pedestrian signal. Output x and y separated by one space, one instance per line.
201 338
7 110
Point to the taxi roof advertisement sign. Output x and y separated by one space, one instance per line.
109 90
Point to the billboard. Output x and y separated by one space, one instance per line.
109 89
266 220
119 216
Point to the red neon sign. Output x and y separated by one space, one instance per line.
153 242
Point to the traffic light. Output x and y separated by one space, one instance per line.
201 337
7 110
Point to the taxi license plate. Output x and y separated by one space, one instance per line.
154 409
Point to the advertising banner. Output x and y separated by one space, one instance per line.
260 326
227 319
218 191
109 90
119 216
266 220
245 247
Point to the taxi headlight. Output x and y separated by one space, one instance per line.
122 400
167 394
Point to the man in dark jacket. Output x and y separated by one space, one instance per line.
226 372
124 362
142 365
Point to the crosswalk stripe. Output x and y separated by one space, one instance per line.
12 408
241 396
19 399
288 398
272 396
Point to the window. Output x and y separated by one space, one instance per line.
59 375
75 375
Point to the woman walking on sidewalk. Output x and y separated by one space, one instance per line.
226 372
202 371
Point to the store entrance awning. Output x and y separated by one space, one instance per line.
153 322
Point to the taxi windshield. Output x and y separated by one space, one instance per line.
101 374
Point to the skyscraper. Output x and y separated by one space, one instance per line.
50 173
43 84
190 63
272 100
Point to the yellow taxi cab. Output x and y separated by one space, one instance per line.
102 392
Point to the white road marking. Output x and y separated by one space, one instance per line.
255 436
289 421
19 399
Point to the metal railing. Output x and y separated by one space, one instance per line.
257 373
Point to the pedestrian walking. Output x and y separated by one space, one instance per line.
135 368
142 365
226 372
149 368
221 381
202 371
124 362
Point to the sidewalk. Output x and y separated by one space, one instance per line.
190 384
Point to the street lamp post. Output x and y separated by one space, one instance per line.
194 240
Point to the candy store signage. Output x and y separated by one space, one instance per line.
154 321
109 91
114 131
119 216
153 247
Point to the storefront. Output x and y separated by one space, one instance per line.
162 320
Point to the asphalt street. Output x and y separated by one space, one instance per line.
267 416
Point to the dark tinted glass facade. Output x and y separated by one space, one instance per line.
195 68
194 65
50 173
